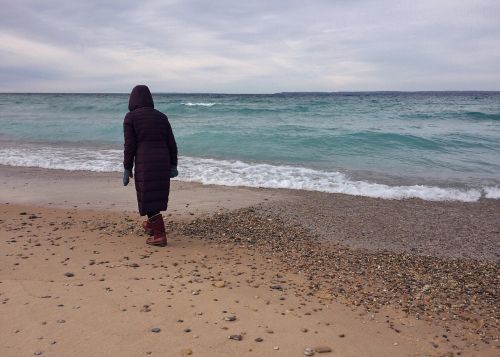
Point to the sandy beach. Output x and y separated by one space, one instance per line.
246 272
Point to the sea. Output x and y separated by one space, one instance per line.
393 145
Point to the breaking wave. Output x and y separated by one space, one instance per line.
189 104
238 173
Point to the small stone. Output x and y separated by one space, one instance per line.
187 330
303 329
323 349
219 284
186 352
269 330
38 353
61 321
155 329
276 348
259 339
236 337
308 351
395 344
230 318
69 275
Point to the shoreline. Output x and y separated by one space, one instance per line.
330 264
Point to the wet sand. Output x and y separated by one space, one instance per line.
282 270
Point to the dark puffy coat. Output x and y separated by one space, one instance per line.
150 142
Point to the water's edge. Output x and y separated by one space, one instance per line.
239 173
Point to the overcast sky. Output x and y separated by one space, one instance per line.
249 46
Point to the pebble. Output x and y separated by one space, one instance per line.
236 337
187 330
230 318
155 329
219 284
303 329
308 351
269 330
69 275
259 339
38 353
186 352
322 349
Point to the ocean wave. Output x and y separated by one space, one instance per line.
238 173
492 192
482 116
190 104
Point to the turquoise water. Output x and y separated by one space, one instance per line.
312 141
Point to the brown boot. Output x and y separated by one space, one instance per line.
159 236
148 228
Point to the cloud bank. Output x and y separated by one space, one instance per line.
252 47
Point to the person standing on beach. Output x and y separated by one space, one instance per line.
150 144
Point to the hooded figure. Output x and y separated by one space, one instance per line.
150 144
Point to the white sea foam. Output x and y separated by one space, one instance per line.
189 104
67 158
492 192
237 173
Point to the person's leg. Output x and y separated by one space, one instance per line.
159 236
147 223
151 214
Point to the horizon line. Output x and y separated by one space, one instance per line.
276 93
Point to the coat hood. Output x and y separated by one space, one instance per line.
140 97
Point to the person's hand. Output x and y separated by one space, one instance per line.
126 175
173 172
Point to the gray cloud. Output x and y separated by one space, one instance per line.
257 46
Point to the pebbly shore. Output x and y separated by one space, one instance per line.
382 269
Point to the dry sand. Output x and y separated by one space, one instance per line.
119 289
